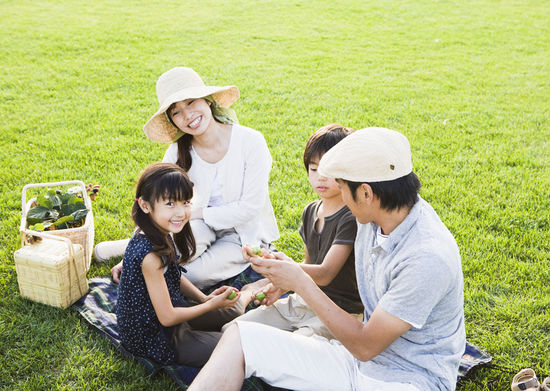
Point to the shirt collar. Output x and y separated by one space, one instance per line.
402 229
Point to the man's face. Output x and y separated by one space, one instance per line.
358 207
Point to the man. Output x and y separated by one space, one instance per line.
410 281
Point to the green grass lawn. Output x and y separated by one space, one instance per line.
467 82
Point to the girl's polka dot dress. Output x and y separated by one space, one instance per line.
140 330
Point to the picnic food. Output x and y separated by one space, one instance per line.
256 250
260 296
232 295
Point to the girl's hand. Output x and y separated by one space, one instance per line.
218 291
116 271
219 298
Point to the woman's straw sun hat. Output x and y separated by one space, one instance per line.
179 84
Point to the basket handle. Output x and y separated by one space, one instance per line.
85 197
67 241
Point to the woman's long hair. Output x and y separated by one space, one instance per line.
164 181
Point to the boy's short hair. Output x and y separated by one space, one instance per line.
394 194
322 140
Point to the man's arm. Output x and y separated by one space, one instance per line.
363 340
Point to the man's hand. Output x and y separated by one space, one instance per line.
282 271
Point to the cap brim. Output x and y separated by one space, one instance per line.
368 155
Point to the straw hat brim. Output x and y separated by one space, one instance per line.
160 129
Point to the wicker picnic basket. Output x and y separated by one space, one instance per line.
83 235
51 271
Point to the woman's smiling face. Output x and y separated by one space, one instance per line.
191 116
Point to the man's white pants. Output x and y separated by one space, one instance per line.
302 363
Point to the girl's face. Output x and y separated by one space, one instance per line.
191 116
170 216
323 186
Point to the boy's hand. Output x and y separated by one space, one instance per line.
271 295
249 252
220 297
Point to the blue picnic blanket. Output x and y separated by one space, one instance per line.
98 308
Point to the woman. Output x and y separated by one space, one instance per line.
229 165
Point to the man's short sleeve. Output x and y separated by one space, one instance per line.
416 286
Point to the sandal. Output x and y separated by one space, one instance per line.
545 384
525 380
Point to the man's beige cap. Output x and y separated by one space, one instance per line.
368 155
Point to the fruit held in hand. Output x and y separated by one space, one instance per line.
256 250
260 296
232 295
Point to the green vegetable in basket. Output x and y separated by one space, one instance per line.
37 227
63 220
57 210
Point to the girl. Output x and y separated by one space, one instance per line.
229 165
156 302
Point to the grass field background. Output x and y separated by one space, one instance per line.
467 82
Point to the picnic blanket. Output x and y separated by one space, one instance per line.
98 308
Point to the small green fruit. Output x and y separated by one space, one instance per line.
257 250
232 295
37 227
260 296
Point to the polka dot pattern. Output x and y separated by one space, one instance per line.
140 330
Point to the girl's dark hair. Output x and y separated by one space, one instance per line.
170 182
322 140
396 194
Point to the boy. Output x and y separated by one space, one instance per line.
328 231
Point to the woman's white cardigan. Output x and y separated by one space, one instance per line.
244 176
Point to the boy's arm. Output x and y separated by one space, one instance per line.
363 340
333 262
